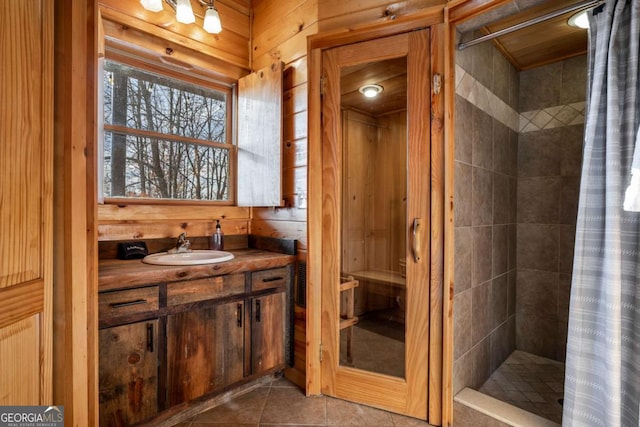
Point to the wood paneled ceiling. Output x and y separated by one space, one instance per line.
391 74
540 44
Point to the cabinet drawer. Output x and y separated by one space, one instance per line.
204 289
267 279
129 301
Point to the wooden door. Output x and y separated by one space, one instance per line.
384 183
128 373
205 351
267 332
26 197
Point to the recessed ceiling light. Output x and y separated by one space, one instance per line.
371 91
580 20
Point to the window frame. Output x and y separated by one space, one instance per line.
171 72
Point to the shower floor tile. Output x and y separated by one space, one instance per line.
530 382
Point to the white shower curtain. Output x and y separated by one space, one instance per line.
602 383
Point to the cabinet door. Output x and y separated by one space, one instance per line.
268 317
128 373
205 350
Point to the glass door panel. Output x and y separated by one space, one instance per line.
374 216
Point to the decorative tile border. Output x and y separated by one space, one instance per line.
480 96
552 117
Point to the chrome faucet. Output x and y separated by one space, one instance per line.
182 245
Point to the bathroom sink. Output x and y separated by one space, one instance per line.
194 257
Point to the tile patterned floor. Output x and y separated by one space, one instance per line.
281 403
529 382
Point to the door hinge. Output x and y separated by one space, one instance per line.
437 83
323 84
320 352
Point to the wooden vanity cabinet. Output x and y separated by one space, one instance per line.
268 329
204 336
128 373
205 351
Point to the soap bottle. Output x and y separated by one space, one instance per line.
217 239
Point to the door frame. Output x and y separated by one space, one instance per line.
439 378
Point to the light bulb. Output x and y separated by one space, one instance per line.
152 5
580 20
212 22
184 12
371 91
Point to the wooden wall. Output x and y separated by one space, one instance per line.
344 14
280 31
374 191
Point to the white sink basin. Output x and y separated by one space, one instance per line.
194 257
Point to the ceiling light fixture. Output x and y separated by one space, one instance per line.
371 91
185 15
580 20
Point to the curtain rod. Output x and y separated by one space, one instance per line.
525 24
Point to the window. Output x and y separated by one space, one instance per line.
164 138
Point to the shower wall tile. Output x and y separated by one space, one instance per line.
463 248
501 77
499 300
540 87
567 244
571 150
539 153
536 293
511 293
486 157
569 199
462 372
513 199
482 155
539 200
500 249
462 323
564 295
574 80
482 316
482 64
536 334
481 357
502 344
538 247
514 89
482 255
501 148
463 130
462 213
512 229
482 197
501 202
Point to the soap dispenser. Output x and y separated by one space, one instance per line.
217 239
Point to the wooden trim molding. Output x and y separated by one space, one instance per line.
462 10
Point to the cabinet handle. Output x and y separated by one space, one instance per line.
271 279
150 337
239 315
127 303
257 310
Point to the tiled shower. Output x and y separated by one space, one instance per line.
518 152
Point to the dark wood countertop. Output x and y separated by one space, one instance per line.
122 274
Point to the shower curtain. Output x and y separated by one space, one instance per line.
602 382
